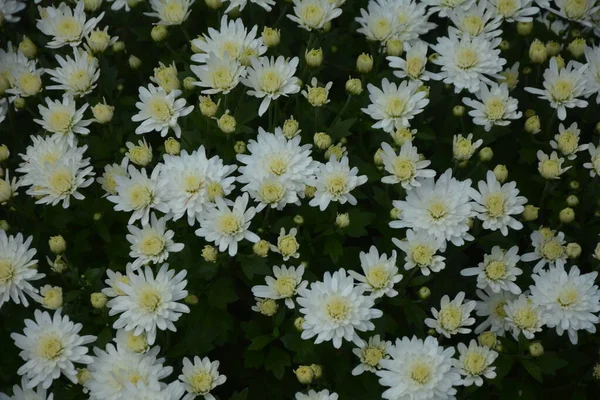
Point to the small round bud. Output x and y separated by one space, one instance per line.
486 154
52 297
536 349
402 135
172 146
377 157
267 307
317 370
577 47
4 153
354 86
527 70
298 322
28 48
91 5
364 63
394 47
298 219
271 36
209 253
159 33
304 374
572 200
309 191
501 173
342 220
314 57
530 213
118 46
566 215
532 125
208 108
6 191
98 300
322 140
189 83
103 113
226 123
560 62
327 26
529 113
395 213
57 244
97 216
488 339
499 347
20 103
261 248
537 52
318 96
431 332
504 45
573 250
424 293
191 299
524 28
166 77
338 151
291 127
239 147
553 48
458 111
4 225
134 62
83 376
574 185
140 154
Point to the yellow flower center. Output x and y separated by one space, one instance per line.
568 297
466 58
149 299
271 81
336 185
414 66
499 310
450 318
247 54
473 25
140 196
575 9
214 190
422 255
231 48
550 168
404 169
552 250
507 8
495 204
495 270
277 165
229 224
495 108
474 363
312 14
192 183
567 142
152 245
61 181
50 157
222 77
337 309
30 83
372 355
525 318
136 343
437 210
287 245
159 109
201 382
60 121
562 90
395 107
135 377
68 28
285 286
378 276
80 79
463 149
271 192
50 347
381 28
7 271
174 12
420 372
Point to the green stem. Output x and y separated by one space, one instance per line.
342 110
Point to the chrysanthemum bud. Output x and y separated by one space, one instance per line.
298 322
501 173
553 48
431 332
98 300
6 191
214 4
4 225
208 107
574 185
338 151
4 153
159 33
573 250
290 127
317 96
239 147
97 216
342 220
317 370
322 140
402 135
529 113
458 111
354 86
226 123
57 244
189 83
267 307
537 52
486 154
526 70
566 215
364 63
52 297
191 299
504 45
577 47
20 103
209 253
166 77
103 113
59 265
596 372
488 339
532 125
572 200
536 349
118 46
304 374
377 157
91 5
298 219
134 62
524 28
271 36
195 48
560 62
395 213
137 343
530 213
394 47
172 146
28 48
424 293
140 154
261 248
327 26
314 57
83 376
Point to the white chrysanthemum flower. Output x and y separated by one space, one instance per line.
139 193
218 74
445 7
241 4
419 369
63 119
420 249
335 309
77 76
159 110
412 19
50 346
233 39
334 182
17 269
116 366
98 40
170 12
393 106
200 377
594 164
441 208
3 109
321 395
510 76
493 106
496 203
551 167
286 283
562 88
152 243
498 271
467 62
314 14
112 288
475 362
405 167
124 4
9 9
66 26
514 10
579 11
130 342
491 305
548 248
567 141
142 391
453 316
592 74
191 181
23 392
107 180
370 354
150 302
317 95
226 226
272 191
463 147
570 300
524 316
380 273
44 153
413 66
23 75
270 78
376 22
140 153
478 19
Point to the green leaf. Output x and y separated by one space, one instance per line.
252 265
260 342
276 361
358 222
253 359
243 395
534 370
221 293
333 248
550 363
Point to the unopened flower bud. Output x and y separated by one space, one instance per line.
4 225
536 349
486 154
377 157
501 173
553 48
424 293
226 123
103 113
290 127
98 300
191 299
566 215
573 250
532 125
574 185
364 63
261 248
57 244
20 103
239 147
83 376
52 297
537 52
209 253
394 47
322 140
118 46
530 213
298 322
395 213
572 200
524 28
214 4
271 36
577 47
172 146
267 307
458 111
354 86
342 220
314 57
134 62
4 153
208 107
488 339
298 219
304 374
317 370
529 113
28 48
504 45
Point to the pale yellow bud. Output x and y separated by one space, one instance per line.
59 265
305 374
83 376
486 154
458 111
314 57
103 113
98 300
560 62
172 146
298 322
354 86
214 4
318 96
338 151
208 108
57 244
20 103
424 293
504 45
317 370
566 215
553 48
322 140
209 253
530 213
118 46
298 219
4 153
91 5
596 371
6 191
239 147
402 135
573 250
524 28
134 62
166 77
377 157
191 299
261 248
310 191
189 83
572 201
364 63
342 220
532 125
488 339
98 41
28 48
159 33
291 127
140 155
395 213
137 343
537 52
271 36
394 47
529 113
52 297
577 47
4 225
267 307
226 123
501 173
536 349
